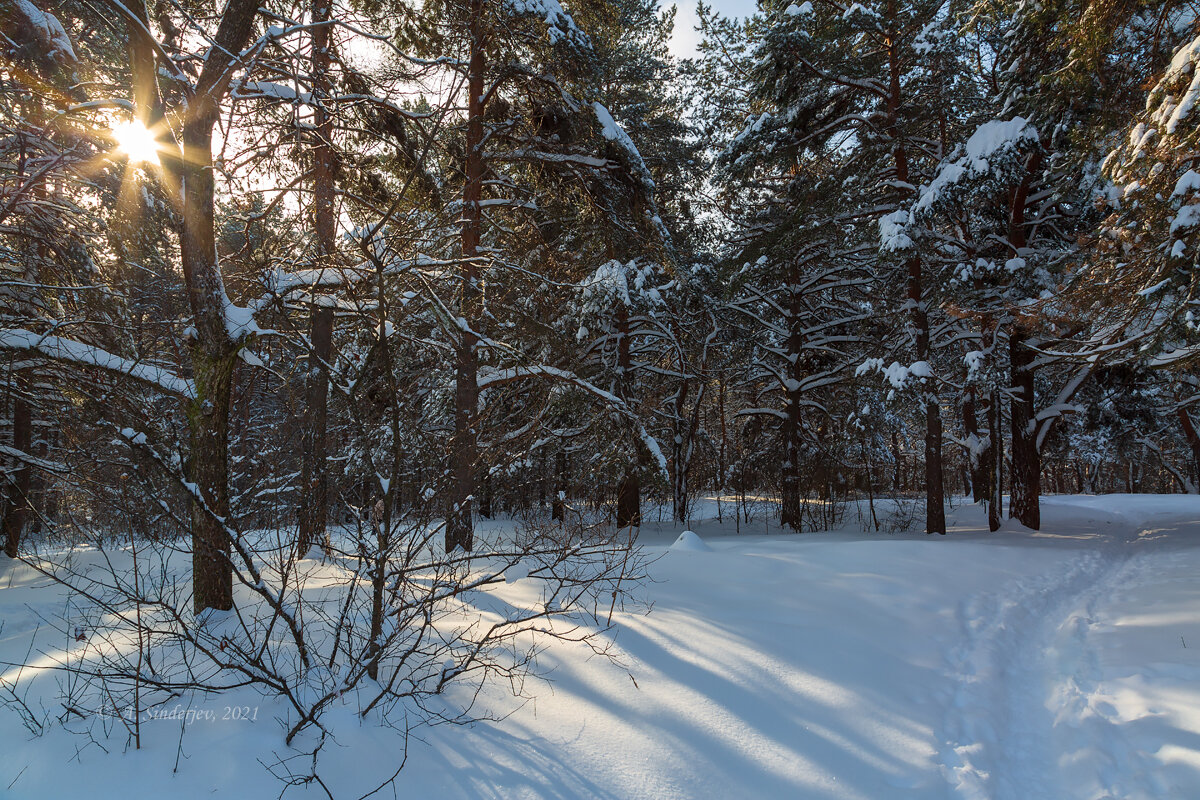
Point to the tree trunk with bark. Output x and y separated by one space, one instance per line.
935 493
558 505
314 497
791 508
995 462
214 347
1024 502
1025 494
629 489
1193 440
978 454
679 455
16 501
464 445
629 501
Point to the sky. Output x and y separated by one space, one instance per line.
683 44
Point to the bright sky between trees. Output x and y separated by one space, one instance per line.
686 38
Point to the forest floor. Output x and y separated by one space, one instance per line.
1012 666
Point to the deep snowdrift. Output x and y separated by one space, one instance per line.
1061 664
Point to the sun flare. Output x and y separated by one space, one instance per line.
136 141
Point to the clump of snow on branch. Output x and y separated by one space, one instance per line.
614 133
631 284
896 374
994 148
560 26
48 31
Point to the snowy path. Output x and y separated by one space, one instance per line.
1033 713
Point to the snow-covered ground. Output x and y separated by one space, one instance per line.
1014 665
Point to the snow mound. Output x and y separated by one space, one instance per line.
688 540
518 571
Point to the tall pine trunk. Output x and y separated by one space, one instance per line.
214 347
679 456
464 445
314 496
629 503
558 505
16 505
1193 440
978 454
995 462
935 493
1024 504
790 507
1026 480
213 353
629 490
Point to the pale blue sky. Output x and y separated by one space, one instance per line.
685 40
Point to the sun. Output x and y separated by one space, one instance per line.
136 141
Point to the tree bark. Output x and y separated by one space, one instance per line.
790 507
1193 440
679 456
561 489
214 348
629 489
935 493
464 446
1025 495
314 498
995 462
16 502
485 497
978 457
314 481
1024 503
629 501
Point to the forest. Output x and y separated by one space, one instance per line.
323 324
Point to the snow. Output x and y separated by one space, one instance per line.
519 571
754 124
489 376
1012 666
1188 217
625 283
798 10
1188 183
893 235
58 348
613 132
688 540
271 91
49 32
1182 63
559 24
989 146
896 373
858 8
239 320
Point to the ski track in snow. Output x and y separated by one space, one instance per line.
1115 768
1028 696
